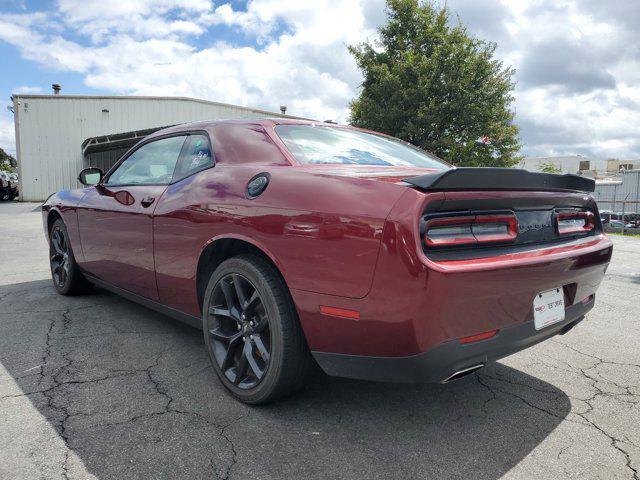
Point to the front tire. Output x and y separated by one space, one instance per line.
65 273
252 333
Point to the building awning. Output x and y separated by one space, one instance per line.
116 141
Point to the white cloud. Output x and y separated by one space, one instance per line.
307 67
141 18
28 89
577 64
576 71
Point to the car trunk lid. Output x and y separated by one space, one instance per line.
485 211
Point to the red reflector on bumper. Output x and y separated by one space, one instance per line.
587 299
340 312
479 336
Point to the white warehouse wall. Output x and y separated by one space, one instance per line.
51 128
567 164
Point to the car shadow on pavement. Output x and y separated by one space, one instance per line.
97 385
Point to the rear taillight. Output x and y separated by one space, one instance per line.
449 231
471 230
574 222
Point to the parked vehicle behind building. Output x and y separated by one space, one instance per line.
8 185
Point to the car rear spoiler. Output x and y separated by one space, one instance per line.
500 179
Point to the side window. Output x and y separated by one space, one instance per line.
151 164
196 155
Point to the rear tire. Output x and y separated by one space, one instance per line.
252 332
65 273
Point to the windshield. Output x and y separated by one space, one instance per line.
311 144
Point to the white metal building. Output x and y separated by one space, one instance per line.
578 163
620 196
50 130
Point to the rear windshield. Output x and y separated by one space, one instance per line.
312 144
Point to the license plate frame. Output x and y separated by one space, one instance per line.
548 308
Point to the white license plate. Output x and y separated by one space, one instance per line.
548 308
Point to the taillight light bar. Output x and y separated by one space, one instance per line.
573 222
470 230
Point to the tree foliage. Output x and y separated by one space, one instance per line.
7 162
431 83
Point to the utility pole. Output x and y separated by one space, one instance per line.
624 203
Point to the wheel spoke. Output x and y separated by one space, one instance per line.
55 241
218 334
253 301
63 241
237 284
257 371
262 350
241 368
230 299
223 312
228 294
231 350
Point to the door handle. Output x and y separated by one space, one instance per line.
147 201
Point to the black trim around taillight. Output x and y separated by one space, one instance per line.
468 233
469 230
574 222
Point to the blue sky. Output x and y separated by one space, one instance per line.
577 62
28 73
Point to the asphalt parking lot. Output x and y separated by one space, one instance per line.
99 387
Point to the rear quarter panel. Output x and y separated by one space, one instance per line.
323 232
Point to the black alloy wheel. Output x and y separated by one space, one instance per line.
65 273
59 257
252 332
238 326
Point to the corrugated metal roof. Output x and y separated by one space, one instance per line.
152 97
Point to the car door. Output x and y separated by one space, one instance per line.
115 217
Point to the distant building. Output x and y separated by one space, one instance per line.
617 181
58 135
579 164
621 194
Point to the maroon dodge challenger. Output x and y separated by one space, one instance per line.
293 243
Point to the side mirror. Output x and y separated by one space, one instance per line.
90 176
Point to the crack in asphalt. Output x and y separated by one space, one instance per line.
615 442
50 392
234 456
169 409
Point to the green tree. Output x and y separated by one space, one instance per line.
7 162
549 167
431 83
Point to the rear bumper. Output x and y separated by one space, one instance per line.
440 362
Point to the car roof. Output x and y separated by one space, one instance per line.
265 122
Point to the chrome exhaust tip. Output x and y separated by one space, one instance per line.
462 373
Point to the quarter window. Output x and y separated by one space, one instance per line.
151 164
196 156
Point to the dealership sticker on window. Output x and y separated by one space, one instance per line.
548 308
